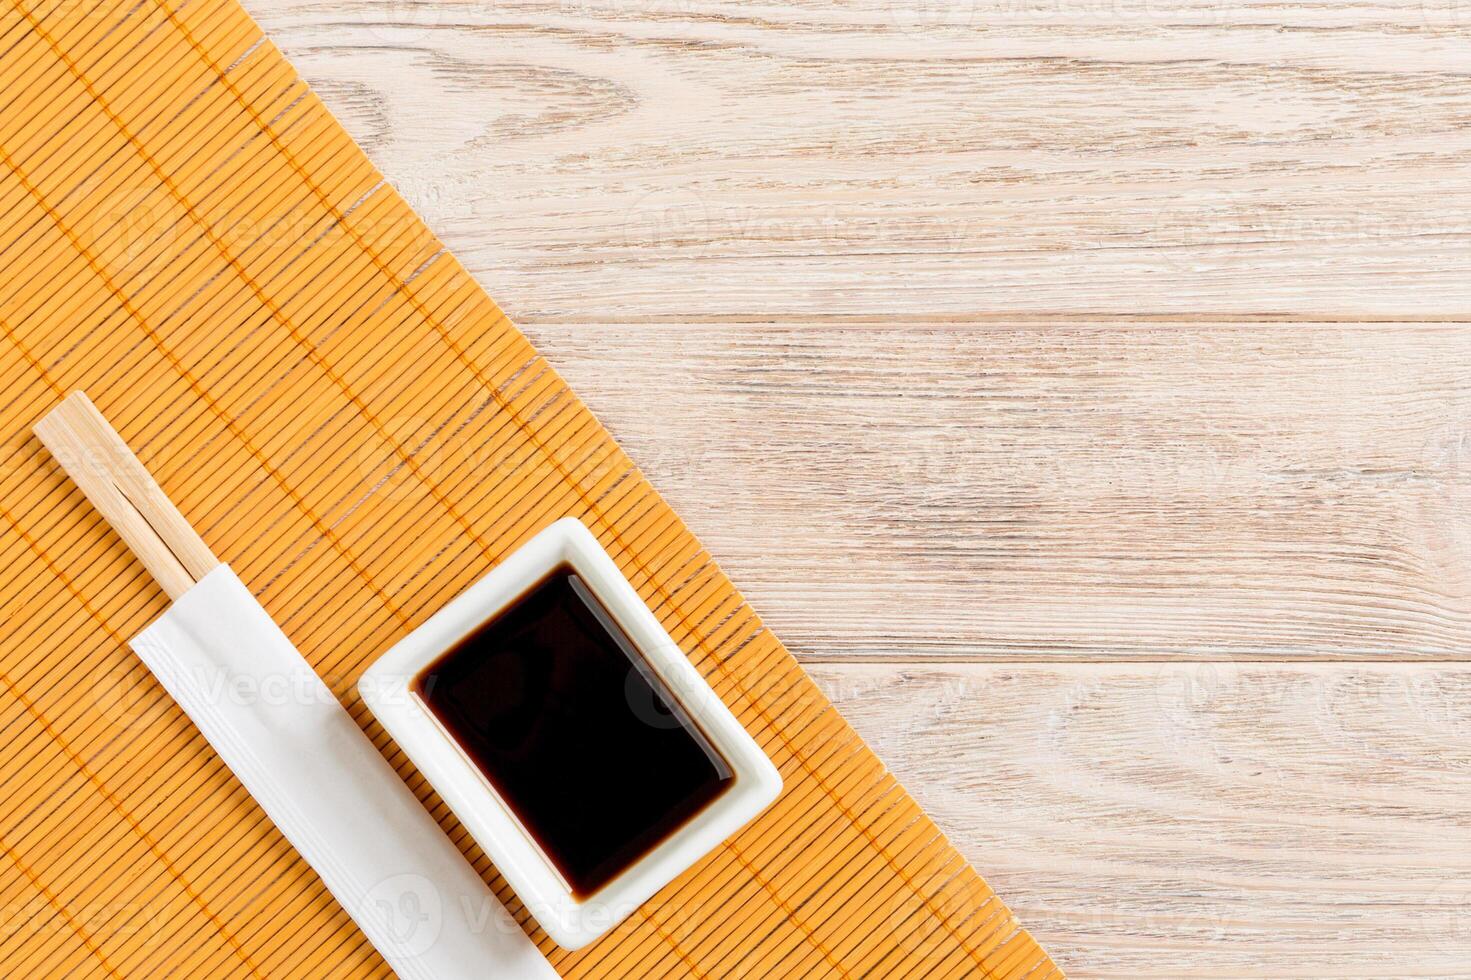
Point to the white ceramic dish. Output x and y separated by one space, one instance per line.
387 689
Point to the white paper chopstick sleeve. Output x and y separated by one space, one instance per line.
333 796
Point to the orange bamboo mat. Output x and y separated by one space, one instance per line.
348 420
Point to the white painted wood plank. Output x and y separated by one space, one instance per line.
1198 820
617 159
1077 490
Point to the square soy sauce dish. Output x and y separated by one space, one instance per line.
570 735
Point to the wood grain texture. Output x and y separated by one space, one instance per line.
117 483
257 312
1291 822
1084 490
617 159
970 332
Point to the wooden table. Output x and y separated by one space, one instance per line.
1079 387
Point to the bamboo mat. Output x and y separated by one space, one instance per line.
349 420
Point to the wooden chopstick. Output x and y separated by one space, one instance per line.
125 493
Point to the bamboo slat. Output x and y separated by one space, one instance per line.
352 424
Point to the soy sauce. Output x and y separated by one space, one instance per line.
552 701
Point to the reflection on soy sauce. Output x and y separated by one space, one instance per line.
552 701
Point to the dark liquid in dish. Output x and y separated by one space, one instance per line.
555 705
